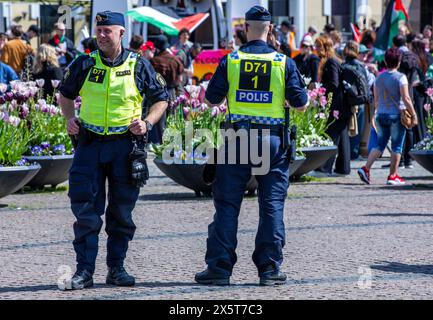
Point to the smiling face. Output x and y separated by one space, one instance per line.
109 37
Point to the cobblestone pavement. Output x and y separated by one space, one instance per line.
345 240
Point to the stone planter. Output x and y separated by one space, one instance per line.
424 158
189 176
13 179
253 184
54 170
314 158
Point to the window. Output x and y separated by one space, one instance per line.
343 14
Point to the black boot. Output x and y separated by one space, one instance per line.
273 278
211 278
119 277
81 279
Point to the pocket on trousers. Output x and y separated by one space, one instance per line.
81 186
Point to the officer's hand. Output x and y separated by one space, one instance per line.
138 127
73 127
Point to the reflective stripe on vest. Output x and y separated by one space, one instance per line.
256 87
109 97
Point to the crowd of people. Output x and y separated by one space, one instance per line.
403 74
321 58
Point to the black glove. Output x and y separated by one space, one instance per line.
138 156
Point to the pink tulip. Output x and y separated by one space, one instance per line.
215 111
202 94
322 91
323 101
427 107
429 92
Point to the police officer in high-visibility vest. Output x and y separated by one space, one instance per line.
256 80
112 82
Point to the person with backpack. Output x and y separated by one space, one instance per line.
357 93
330 78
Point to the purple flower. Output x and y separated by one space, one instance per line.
186 111
336 114
22 162
59 149
181 99
40 82
2 99
15 85
195 103
9 96
55 83
45 145
223 108
34 91
24 111
36 151
19 97
204 107
15 121
4 116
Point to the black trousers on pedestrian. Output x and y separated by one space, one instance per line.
408 145
339 133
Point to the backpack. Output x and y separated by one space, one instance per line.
408 66
355 85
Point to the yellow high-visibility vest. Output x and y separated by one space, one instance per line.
110 98
256 87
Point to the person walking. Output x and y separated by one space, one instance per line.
391 94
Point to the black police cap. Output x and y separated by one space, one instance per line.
258 13
110 18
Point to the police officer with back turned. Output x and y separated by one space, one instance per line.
256 100
112 82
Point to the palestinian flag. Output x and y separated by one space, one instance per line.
395 14
167 24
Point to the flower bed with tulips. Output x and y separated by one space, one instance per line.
29 124
312 124
427 143
189 111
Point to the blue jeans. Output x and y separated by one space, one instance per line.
389 126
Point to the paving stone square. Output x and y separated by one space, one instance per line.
344 240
